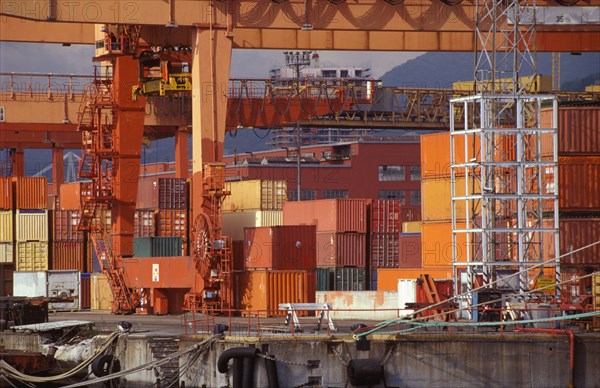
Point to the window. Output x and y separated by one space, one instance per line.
391 173
329 74
329 194
305 195
415 197
415 173
343 73
392 194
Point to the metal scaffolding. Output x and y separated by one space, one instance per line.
504 161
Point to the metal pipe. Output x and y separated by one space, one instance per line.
571 346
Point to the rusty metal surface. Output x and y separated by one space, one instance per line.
281 247
6 193
329 215
341 249
31 192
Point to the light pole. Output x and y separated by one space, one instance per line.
297 60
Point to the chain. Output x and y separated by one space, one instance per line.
335 351
268 357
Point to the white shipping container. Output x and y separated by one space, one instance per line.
30 283
32 225
235 222
53 284
7 253
407 293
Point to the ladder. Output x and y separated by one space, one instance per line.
433 297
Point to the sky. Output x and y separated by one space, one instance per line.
77 59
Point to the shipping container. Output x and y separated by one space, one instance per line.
386 216
144 224
172 223
63 284
387 278
163 193
157 246
255 195
411 213
6 193
281 247
7 252
31 256
104 217
6 278
71 194
325 279
68 255
31 225
577 130
65 224
435 153
436 198
329 215
578 183
437 245
411 253
412 227
31 192
577 233
350 279
385 250
85 295
341 249
30 284
235 222
6 225
262 291
101 293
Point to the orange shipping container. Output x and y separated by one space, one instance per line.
578 183
144 224
281 247
65 225
437 244
262 291
173 223
435 153
387 278
329 215
31 192
70 194
437 198
68 255
6 193
578 132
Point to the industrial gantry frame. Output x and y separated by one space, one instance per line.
112 117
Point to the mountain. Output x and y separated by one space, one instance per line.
440 69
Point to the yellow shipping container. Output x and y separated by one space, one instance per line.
32 256
31 225
437 244
6 253
255 195
539 84
411 227
436 198
235 222
6 225
101 293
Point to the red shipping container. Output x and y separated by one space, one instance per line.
329 215
68 255
576 233
280 247
579 183
31 192
341 249
173 223
163 193
385 250
144 224
65 225
577 130
386 216
410 250
410 213
6 193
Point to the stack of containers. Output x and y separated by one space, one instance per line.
31 223
578 191
170 198
144 223
7 246
68 245
341 226
280 264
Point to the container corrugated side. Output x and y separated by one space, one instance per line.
6 193
157 246
101 293
386 216
255 195
385 250
435 154
64 284
85 294
437 246
31 192
325 279
172 194
350 279
341 249
329 215
68 255
281 247
31 256
65 225
579 183
577 131
172 223
576 233
7 252
144 223
31 225
6 225
235 222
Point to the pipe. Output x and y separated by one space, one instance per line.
248 373
237 371
571 346
234 353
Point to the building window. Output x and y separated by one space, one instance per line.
415 197
391 173
305 195
329 194
392 194
415 173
